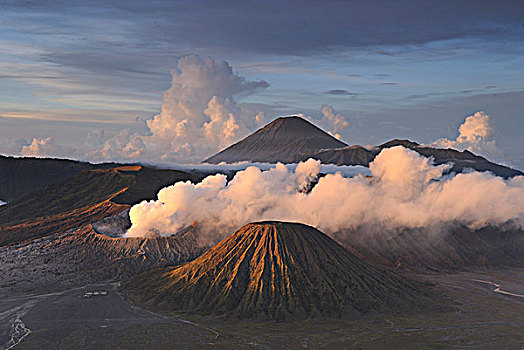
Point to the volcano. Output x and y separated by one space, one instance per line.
280 271
283 140
293 140
84 198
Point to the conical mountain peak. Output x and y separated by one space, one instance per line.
277 270
283 140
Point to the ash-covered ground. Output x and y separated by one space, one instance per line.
42 284
483 319
82 256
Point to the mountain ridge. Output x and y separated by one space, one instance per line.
303 143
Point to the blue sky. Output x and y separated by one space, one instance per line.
410 69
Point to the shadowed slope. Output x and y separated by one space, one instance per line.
462 160
282 140
84 198
445 248
278 271
20 176
293 140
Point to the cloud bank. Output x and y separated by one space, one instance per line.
405 190
46 147
199 116
476 134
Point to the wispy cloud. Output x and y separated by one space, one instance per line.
343 92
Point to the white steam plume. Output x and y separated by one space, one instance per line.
405 190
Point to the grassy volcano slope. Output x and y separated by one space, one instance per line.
21 176
82 199
280 271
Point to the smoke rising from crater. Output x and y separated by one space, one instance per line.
405 190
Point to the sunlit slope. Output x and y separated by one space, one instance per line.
82 199
281 271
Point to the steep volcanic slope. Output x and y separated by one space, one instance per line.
461 160
351 155
278 271
82 199
22 175
282 140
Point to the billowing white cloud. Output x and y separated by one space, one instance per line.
12 146
199 116
46 147
405 190
227 121
123 146
476 134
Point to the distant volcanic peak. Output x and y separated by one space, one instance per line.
399 142
294 125
284 139
277 270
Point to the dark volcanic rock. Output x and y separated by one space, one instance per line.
351 155
281 271
461 160
282 140
22 175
